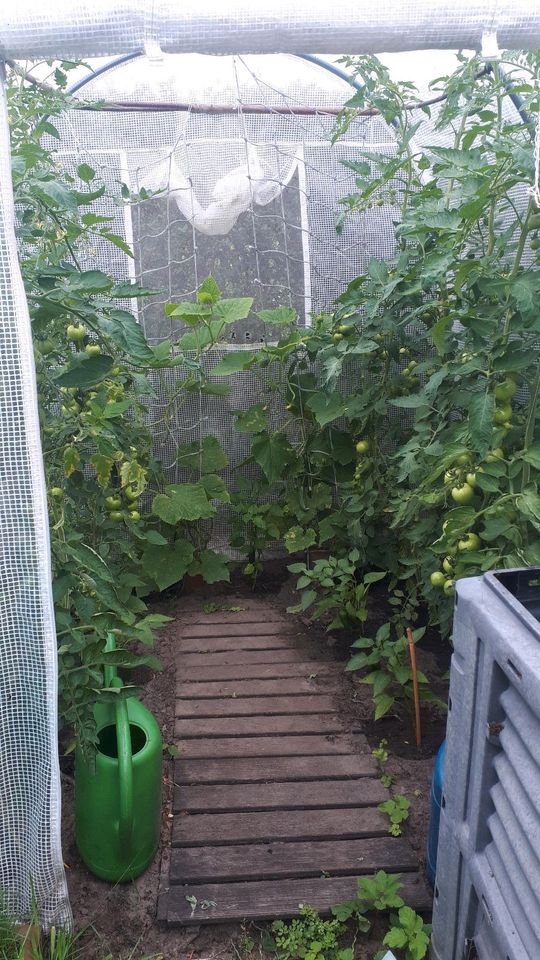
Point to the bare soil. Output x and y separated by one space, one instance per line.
121 920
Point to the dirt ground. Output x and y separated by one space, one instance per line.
121 920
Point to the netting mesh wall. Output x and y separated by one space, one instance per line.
31 865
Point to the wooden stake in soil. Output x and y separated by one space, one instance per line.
416 694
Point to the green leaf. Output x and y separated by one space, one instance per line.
88 281
204 456
103 466
124 330
326 407
297 539
412 402
118 242
54 192
279 316
85 172
202 337
237 308
481 410
528 504
167 565
84 371
383 705
532 455
212 566
272 452
252 420
233 362
215 488
307 598
438 333
208 291
190 313
185 501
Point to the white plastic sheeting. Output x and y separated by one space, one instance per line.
61 28
31 866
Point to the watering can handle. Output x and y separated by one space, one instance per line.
125 774
125 757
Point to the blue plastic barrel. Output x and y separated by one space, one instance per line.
435 814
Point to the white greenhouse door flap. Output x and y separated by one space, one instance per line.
31 866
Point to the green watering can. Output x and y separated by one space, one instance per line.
118 806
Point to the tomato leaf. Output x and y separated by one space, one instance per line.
481 410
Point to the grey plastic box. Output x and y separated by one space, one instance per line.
487 889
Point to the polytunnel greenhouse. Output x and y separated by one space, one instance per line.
270 452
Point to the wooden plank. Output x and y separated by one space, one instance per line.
246 747
278 860
270 726
217 644
291 654
258 900
198 672
263 826
263 770
252 706
215 798
238 631
296 687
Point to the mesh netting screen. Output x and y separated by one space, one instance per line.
31 864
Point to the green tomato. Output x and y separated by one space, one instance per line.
496 454
463 494
502 414
470 542
45 347
131 494
535 243
135 515
471 479
113 502
437 578
344 329
337 337
463 459
116 371
116 516
57 493
249 569
506 390
450 476
362 446
533 223
75 333
449 587
92 349
448 565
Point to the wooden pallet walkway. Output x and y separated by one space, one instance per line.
276 795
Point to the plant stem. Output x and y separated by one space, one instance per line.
529 427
